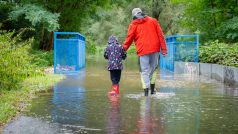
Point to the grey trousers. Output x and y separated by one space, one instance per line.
148 68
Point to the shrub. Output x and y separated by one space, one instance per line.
219 53
16 61
132 49
90 46
42 58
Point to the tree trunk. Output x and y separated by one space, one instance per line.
157 8
50 44
169 26
41 39
47 41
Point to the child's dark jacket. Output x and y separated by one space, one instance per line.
115 53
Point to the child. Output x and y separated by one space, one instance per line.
114 53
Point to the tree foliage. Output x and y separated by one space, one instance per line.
72 12
42 21
116 18
111 23
228 30
47 15
37 15
212 19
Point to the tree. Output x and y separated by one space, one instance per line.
211 18
116 18
39 18
72 13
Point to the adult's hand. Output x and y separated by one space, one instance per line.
164 54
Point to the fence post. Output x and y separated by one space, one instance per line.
55 36
197 51
174 39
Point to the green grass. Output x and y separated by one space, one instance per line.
14 101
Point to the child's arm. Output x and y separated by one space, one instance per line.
123 54
106 53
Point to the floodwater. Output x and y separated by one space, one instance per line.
184 104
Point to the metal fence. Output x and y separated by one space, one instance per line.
180 48
69 52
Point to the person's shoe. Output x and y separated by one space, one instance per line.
114 91
152 88
146 91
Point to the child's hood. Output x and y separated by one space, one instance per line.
112 40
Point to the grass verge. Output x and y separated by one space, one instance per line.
14 101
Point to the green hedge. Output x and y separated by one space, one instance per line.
219 53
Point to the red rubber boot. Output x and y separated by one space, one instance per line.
117 89
114 91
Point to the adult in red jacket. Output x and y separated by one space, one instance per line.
149 40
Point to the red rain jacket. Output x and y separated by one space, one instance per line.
147 35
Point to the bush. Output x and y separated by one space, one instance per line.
16 61
219 53
132 49
42 58
90 46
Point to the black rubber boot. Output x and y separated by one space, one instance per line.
152 88
146 91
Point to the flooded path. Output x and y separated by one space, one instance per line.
79 104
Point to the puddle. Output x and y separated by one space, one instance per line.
79 104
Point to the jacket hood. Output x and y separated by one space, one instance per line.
140 21
112 40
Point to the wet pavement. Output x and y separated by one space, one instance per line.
183 104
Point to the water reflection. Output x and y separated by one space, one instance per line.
231 91
148 123
114 117
67 101
79 104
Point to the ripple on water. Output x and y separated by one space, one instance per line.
155 96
